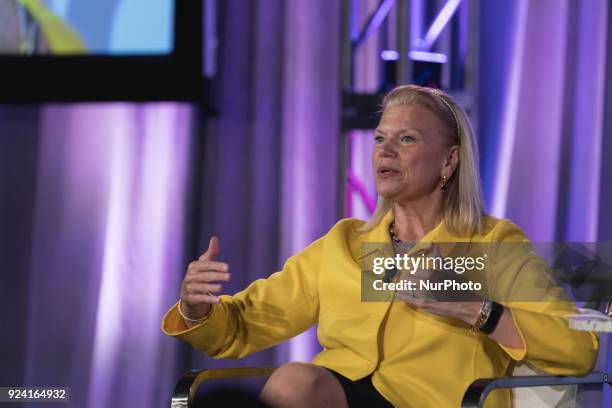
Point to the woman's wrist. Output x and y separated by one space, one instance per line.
481 316
191 317
469 312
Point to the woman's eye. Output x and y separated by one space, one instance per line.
379 139
407 138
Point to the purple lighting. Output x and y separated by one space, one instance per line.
308 198
356 184
141 246
360 200
502 174
107 250
375 21
428 56
439 23
389 55
583 200
416 22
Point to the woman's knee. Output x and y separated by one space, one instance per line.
294 383
294 378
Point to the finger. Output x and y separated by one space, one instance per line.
202 298
203 266
208 276
202 288
421 299
437 253
423 274
211 287
410 297
212 251
404 295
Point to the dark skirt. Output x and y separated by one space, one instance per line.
361 393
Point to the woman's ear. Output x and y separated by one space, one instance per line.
451 161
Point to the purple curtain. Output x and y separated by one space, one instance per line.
543 129
551 129
273 146
104 251
105 204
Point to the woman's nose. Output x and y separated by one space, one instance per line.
387 150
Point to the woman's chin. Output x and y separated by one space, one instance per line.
388 193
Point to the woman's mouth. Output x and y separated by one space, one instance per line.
386 172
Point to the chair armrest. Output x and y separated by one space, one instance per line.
478 391
187 386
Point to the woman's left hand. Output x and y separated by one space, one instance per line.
466 310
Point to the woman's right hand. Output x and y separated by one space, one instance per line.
200 282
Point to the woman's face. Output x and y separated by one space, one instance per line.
413 151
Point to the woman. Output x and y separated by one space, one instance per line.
410 351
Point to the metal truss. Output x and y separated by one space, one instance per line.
426 42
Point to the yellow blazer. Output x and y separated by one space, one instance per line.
417 359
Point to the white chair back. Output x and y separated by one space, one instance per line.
559 396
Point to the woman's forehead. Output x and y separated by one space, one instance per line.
406 117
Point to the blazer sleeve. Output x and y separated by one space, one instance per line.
538 308
264 314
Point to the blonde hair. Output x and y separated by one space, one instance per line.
462 203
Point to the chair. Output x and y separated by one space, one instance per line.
186 388
530 388
523 381
533 388
582 273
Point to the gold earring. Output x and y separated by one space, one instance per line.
444 186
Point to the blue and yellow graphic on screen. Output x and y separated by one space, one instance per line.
100 27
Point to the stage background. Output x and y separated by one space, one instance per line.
103 205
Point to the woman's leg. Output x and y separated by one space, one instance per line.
296 385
